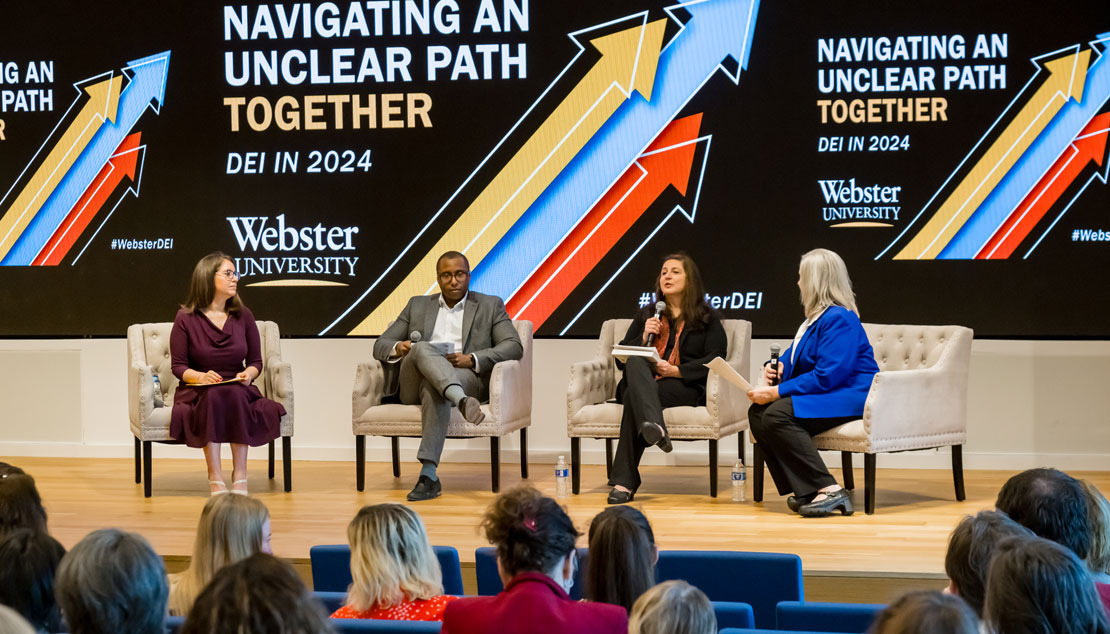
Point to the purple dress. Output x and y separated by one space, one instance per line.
232 412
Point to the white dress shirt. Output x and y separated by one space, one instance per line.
448 329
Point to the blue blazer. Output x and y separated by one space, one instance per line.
832 369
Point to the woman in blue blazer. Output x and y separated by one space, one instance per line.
825 377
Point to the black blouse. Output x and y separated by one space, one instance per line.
696 347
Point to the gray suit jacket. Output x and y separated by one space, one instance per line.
488 333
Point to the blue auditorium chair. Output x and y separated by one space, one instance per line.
331 601
733 614
489 582
331 568
352 626
759 579
850 618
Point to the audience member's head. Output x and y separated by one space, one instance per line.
10 469
1098 560
258 595
12 623
672 607
622 557
532 533
1050 503
970 548
391 559
28 562
926 612
231 528
112 582
1036 586
20 504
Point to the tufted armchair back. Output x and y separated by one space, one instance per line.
904 347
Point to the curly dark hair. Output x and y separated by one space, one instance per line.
531 532
257 595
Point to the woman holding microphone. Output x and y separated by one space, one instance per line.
687 333
821 382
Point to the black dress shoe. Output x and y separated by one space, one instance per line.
616 496
656 434
425 489
836 500
794 503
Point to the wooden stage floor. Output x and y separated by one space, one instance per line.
905 539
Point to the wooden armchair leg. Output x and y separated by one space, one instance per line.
524 452
958 471
360 462
846 467
138 460
757 473
287 462
395 447
712 468
575 465
148 454
869 483
495 462
271 453
608 458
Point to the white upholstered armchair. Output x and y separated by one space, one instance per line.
509 409
591 413
918 400
148 354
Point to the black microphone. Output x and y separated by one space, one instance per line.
775 349
659 308
414 336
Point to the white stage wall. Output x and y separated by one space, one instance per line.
1031 403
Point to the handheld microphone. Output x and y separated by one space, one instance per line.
775 349
414 336
659 308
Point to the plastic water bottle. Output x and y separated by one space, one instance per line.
562 478
158 402
739 482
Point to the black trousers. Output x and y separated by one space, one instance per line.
786 442
644 399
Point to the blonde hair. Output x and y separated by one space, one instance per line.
229 530
824 282
391 559
672 607
1098 560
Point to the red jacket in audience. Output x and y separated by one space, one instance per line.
535 604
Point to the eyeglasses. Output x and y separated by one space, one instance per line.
231 275
458 275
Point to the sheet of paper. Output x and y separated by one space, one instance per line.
231 380
729 373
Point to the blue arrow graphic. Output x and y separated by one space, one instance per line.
716 29
1035 163
146 87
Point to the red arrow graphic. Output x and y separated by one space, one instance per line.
666 162
1089 146
123 162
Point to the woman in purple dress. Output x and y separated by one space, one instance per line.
215 339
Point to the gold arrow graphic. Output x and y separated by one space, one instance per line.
628 62
1065 79
102 104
